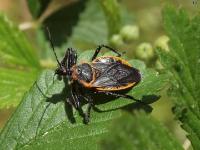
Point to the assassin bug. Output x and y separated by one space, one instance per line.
106 74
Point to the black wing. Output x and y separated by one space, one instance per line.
114 74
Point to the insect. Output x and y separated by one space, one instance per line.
106 74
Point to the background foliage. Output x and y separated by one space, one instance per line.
44 120
182 62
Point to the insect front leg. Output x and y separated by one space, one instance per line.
100 47
74 97
68 61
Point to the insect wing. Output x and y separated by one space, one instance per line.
115 75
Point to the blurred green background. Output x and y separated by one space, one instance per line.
140 31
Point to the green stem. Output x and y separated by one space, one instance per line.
112 13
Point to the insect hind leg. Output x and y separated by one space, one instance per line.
98 49
119 95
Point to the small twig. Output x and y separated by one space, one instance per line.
186 144
54 6
27 25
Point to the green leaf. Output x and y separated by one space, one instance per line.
36 126
18 63
60 24
15 48
96 23
183 63
138 132
85 27
62 21
91 28
113 15
42 9
13 85
36 7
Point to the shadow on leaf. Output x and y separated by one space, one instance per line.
98 99
144 104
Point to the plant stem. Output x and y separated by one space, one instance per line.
111 10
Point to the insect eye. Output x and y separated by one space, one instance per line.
79 70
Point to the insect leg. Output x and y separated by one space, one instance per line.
69 101
89 107
68 61
87 97
119 95
74 97
100 47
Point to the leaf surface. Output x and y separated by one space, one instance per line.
19 63
138 132
182 62
26 129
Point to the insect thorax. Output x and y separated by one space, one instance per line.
83 72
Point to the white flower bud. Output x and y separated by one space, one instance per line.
145 51
129 32
116 40
162 42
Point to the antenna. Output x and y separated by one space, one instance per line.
50 39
